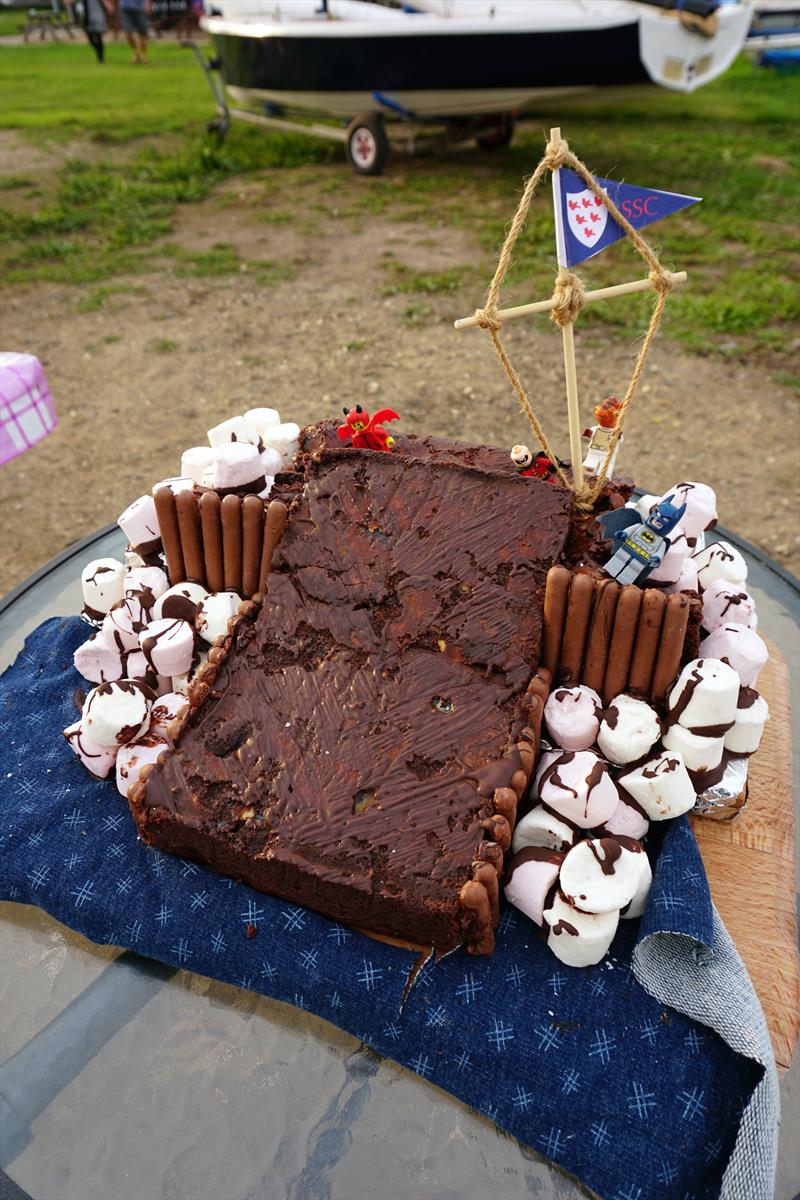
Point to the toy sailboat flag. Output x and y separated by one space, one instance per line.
590 214
583 223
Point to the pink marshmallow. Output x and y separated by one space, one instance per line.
627 819
168 646
532 873
728 604
738 646
132 758
687 580
97 661
98 760
573 717
139 523
671 565
236 465
166 708
577 785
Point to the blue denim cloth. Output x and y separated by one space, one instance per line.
637 1100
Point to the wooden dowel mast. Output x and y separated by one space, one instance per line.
567 334
540 306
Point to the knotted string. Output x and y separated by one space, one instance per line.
568 300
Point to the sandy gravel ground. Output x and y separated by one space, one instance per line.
127 406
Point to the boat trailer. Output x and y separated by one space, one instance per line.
365 138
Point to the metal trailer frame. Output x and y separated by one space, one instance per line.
365 139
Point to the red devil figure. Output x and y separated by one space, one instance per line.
366 432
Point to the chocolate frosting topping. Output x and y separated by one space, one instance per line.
367 714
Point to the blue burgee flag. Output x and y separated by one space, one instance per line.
587 226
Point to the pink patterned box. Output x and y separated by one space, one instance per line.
26 406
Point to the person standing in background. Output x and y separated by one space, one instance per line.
134 14
95 23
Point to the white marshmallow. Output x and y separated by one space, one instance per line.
133 558
236 465
577 785
687 580
532 873
283 438
137 667
639 902
213 614
262 419
97 661
628 730
181 683
123 624
166 708
698 753
132 758
643 505
745 736
102 584
195 461
739 646
267 488
712 688
235 429
625 821
179 601
146 584
116 713
98 760
542 828
720 560
727 604
661 786
178 483
168 646
271 461
139 523
701 507
601 875
578 939
572 716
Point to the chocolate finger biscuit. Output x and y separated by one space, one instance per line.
555 614
579 608
252 538
232 542
211 522
622 639
670 648
599 639
191 538
164 499
648 633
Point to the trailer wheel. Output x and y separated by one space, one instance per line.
497 133
367 144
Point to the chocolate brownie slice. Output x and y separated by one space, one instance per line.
361 746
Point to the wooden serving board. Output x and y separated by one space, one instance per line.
751 872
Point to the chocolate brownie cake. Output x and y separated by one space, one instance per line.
359 742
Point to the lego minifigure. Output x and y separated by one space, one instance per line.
600 436
365 432
532 466
640 545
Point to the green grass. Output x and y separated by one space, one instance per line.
12 22
144 152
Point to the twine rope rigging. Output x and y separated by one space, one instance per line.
568 297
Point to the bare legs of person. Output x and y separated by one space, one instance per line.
138 45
